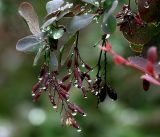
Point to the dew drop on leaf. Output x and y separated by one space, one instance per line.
146 5
79 130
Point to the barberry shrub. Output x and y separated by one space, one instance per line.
63 66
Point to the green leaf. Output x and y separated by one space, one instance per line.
79 22
109 21
109 26
107 4
38 55
66 49
109 12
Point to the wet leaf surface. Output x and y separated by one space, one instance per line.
79 22
28 44
53 6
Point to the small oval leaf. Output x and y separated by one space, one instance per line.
38 55
28 44
109 26
109 12
79 22
107 4
48 22
67 14
27 12
53 6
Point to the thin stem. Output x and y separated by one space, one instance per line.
100 56
77 38
76 50
105 68
129 4
99 63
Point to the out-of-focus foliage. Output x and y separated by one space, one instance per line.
135 114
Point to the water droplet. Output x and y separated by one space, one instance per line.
74 113
76 85
43 30
95 19
33 95
75 82
79 130
55 106
107 36
82 8
40 79
96 93
84 115
58 33
92 90
83 65
146 5
90 81
96 3
43 88
48 28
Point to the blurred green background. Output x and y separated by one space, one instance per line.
135 114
